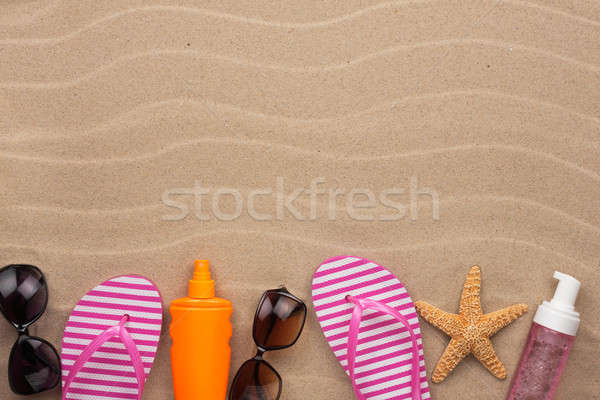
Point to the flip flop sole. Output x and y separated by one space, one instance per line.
383 356
109 373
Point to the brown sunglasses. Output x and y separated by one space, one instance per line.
278 323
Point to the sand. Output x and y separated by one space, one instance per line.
492 105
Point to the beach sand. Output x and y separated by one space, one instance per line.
492 107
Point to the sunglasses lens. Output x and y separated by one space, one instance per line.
23 293
34 366
279 321
255 380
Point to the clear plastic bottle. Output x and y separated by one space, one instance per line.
548 345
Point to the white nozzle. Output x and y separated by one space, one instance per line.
559 314
566 291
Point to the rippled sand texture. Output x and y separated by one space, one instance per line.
494 104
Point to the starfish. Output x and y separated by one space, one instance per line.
470 330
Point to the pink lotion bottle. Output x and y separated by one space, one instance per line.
547 349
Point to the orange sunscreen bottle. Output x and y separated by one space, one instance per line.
200 332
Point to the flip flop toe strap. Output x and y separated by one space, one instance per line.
360 305
130 346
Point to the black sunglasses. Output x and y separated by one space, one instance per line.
278 323
34 364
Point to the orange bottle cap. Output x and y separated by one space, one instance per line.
201 286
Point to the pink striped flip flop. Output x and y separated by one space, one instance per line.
371 325
110 340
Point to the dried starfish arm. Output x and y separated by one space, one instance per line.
470 303
448 323
457 350
470 330
493 322
484 351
